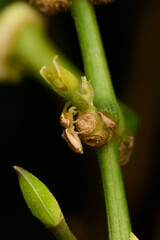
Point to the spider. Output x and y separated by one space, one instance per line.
69 134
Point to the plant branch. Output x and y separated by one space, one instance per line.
96 69
116 205
95 64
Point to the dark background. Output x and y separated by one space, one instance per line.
30 133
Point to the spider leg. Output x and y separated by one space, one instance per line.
73 110
66 106
71 129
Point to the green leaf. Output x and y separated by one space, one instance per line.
43 205
39 199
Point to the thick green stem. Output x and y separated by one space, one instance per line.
95 64
96 69
116 205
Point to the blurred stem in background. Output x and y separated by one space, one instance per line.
24 43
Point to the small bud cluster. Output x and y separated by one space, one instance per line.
59 78
51 6
81 120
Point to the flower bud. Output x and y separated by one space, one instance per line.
60 79
87 90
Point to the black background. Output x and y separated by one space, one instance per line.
30 133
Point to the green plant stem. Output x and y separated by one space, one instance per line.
96 69
62 232
116 205
95 64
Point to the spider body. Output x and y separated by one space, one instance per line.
69 134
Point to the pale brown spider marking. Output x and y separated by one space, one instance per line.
73 141
69 134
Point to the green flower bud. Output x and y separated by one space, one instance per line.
87 90
60 79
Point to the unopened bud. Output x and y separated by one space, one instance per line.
60 79
87 90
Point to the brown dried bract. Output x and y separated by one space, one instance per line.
125 150
109 122
98 2
86 123
50 7
94 140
